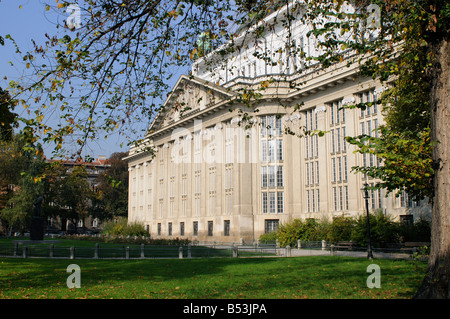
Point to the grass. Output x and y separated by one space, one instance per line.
210 278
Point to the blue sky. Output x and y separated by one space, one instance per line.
32 21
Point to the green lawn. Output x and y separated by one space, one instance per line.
213 278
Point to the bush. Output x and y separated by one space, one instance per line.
123 228
268 238
383 230
340 229
290 233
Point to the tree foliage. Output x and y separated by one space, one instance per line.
111 198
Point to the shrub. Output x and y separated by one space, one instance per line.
382 230
340 229
291 232
268 238
123 228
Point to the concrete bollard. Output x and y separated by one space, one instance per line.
180 252
96 251
299 244
324 245
25 252
127 252
288 251
332 250
142 250
235 251
72 252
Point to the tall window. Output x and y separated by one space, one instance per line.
229 154
338 152
311 162
195 228
226 228
272 174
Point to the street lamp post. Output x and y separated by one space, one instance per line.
369 246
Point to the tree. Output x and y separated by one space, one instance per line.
21 172
412 46
7 117
73 195
112 191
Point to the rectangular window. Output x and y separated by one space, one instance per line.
279 150
159 229
280 176
271 225
317 172
333 144
272 201
169 229
345 168
346 197
318 200
307 173
264 203
195 228
279 126
264 151
280 202
226 228
210 228
271 150
264 176
271 176
308 203
335 198
263 126
182 229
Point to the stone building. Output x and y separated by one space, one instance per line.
226 172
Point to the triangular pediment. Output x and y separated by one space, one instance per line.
190 95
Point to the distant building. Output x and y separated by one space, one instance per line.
216 179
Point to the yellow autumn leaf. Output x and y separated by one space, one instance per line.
60 5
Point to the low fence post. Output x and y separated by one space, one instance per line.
25 252
235 251
96 251
142 250
16 247
52 247
72 252
180 252
332 250
288 251
324 245
299 244
127 252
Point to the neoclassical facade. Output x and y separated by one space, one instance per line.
225 171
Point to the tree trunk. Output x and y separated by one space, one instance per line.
436 285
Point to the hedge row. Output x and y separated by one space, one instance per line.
384 231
